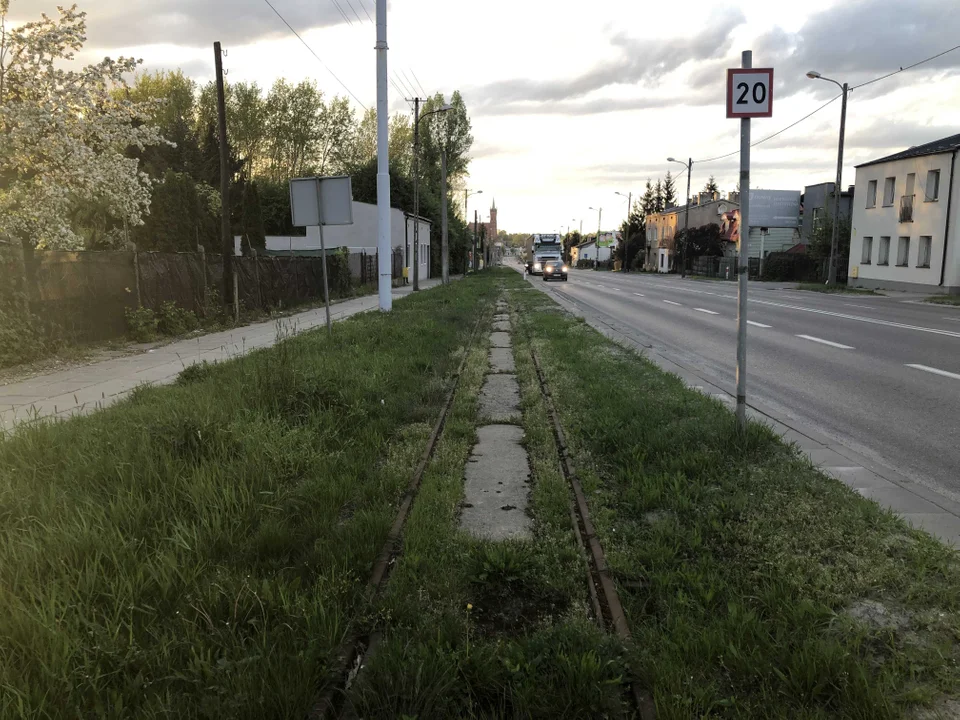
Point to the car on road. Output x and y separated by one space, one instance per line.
553 270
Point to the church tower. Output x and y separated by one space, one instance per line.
492 226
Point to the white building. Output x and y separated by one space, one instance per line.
588 250
905 228
359 237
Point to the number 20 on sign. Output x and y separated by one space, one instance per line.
749 93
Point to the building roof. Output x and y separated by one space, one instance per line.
943 145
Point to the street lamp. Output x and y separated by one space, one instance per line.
596 245
416 185
832 268
686 215
626 242
466 196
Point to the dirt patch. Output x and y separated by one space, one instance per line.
516 607
655 517
947 709
876 615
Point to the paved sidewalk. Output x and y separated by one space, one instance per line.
89 387
920 506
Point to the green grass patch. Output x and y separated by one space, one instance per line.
200 550
482 629
943 299
755 586
836 289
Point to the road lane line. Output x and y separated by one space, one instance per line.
935 371
826 342
671 302
865 307
756 324
639 294
861 318
704 310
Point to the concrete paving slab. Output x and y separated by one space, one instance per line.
497 488
502 326
799 439
500 339
501 316
501 360
827 458
942 525
900 500
858 477
500 398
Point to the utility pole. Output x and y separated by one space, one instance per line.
832 270
384 249
686 223
444 243
476 258
416 194
227 241
743 261
596 262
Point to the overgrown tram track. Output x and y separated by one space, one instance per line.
356 645
607 607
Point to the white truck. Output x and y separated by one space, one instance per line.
545 257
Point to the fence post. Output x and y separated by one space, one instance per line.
136 275
256 273
236 292
24 286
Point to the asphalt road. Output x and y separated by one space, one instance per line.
880 375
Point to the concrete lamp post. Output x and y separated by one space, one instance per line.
686 215
596 244
626 239
416 190
832 268
467 194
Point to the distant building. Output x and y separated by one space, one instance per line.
817 202
905 227
490 227
588 250
705 209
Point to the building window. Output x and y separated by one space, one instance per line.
923 259
883 257
932 190
867 251
903 252
872 194
889 190
817 219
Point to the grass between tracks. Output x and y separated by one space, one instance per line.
754 585
201 550
483 629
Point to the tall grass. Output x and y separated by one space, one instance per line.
200 550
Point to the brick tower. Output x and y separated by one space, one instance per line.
492 225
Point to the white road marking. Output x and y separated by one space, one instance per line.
639 294
671 302
950 318
861 318
756 324
865 307
704 310
935 371
826 342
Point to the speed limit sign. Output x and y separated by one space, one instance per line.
749 92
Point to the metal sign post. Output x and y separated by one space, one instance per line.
319 201
749 95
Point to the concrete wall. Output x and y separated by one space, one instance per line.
929 218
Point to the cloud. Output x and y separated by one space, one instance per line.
860 40
641 61
192 23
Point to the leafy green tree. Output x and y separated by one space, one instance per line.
633 235
658 197
702 241
711 186
823 238
179 219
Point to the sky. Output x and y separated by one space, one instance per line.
572 102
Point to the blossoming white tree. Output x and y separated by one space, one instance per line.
64 134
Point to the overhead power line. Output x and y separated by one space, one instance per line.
359 19
367 12
832 100
418 82
333 74
342 13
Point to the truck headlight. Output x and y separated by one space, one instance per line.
536 266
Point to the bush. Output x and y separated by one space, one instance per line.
141 324
173 320
22 338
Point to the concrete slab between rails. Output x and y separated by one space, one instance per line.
500 340
499 317
500 398
501 360
497 488
924 507
502 326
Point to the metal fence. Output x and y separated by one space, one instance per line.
86 294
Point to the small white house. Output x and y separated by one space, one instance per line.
359 237
588 251
904 229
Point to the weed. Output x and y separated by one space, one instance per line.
173 320
141 324
943 299
836 289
